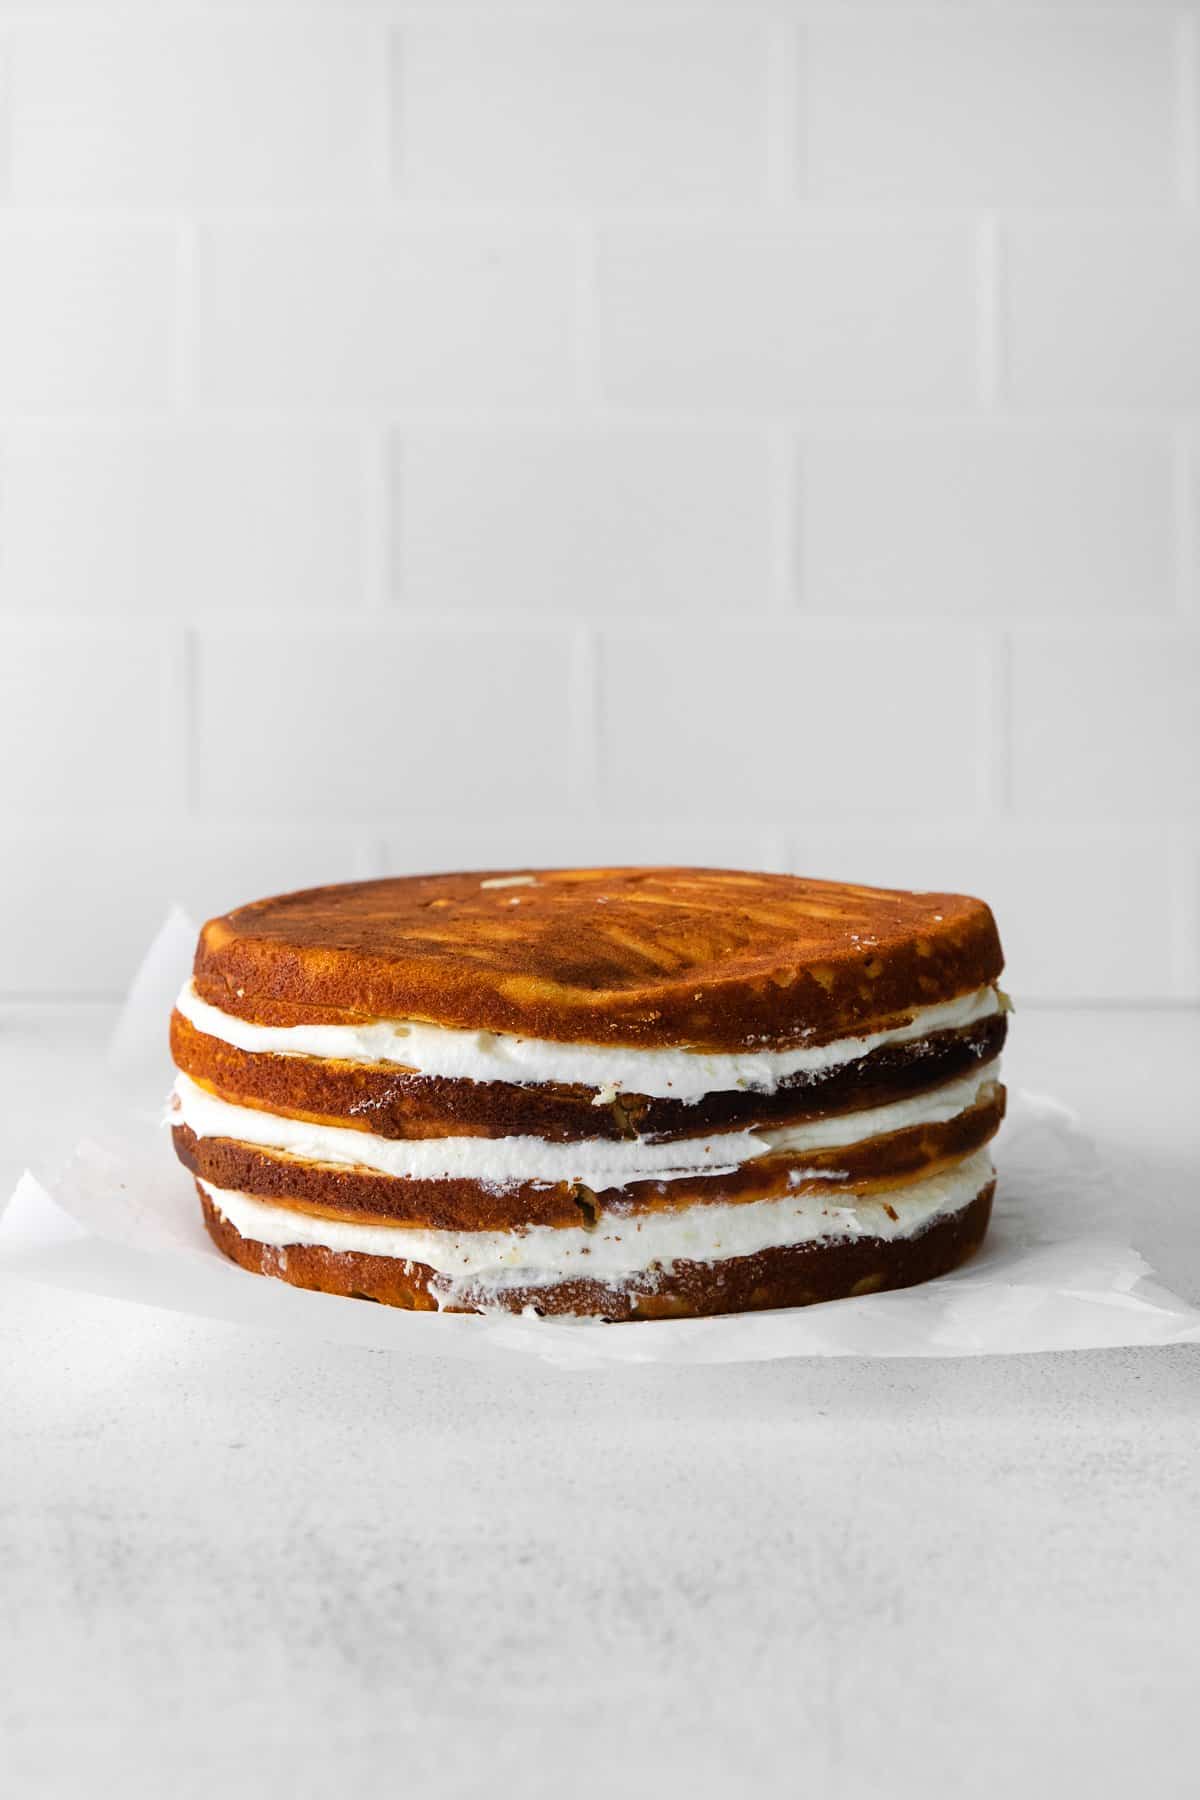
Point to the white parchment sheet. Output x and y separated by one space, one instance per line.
122 1219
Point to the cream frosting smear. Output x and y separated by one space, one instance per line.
667 1074
598 1163
622 1248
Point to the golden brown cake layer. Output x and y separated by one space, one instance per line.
797 1276
462 1205
392 1103
714 959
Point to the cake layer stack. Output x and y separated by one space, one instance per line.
626 1093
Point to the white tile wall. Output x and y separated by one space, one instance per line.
1107 724
87 315
370 316
190 112
334 721
598 522
1102 313
582 112
128 878
1027 104
1090 916
987 523
727 319
807 720
85 724
731 430
180 520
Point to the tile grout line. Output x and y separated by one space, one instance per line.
583 698
180 700
183 373
989 347
784 173
385 116
1183 521
369 853
379 448
773 848
785 521
6 118
1183 883
646 423
1187 111
997 716
790 848
588 397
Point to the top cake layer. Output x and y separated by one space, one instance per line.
710 959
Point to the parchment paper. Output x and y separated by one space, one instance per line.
121 1219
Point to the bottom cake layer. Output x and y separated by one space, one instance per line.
797 1274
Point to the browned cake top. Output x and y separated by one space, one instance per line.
714 959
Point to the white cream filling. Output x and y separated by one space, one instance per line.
498 1056
616 1250
596 1162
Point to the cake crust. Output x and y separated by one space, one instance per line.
800 1275
713 959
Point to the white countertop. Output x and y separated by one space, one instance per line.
229 1569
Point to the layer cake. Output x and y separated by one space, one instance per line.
626 1093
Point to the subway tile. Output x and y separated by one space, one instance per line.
87 317
582 521
86 724
132 880
779 723
192 111
989 109
183 521
853 316
376 317
374 723
1102 314
987 524
590 112
1106 724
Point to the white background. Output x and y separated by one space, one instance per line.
456 435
